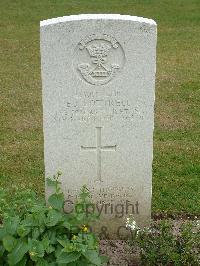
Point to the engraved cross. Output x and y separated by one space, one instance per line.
99 148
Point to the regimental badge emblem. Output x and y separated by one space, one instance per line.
99 58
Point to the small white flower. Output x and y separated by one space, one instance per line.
198 223
131 224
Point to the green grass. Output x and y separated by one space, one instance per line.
176 169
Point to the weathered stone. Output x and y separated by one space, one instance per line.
98 75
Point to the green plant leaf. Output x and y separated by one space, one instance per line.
50 249
52 237
84 194
22 262
36 249
52 264
51 182
2 249
104 259
45 242
29 220
9 243
11 224
57 201
93 257
18 252
68 257
34 219
39 208
48 230
58 251
63 242
42 262
67 225
53 217
3 233
37 231
22 230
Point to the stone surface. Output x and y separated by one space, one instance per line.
98 78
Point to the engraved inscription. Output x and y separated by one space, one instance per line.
104 194
98 149
97 106
99 57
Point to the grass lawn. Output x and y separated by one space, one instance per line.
176 167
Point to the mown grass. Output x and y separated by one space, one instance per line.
176 169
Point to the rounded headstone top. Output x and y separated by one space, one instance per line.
47 22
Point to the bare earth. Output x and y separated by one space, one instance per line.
119 253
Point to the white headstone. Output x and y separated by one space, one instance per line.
98 79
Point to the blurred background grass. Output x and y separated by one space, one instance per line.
176 167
